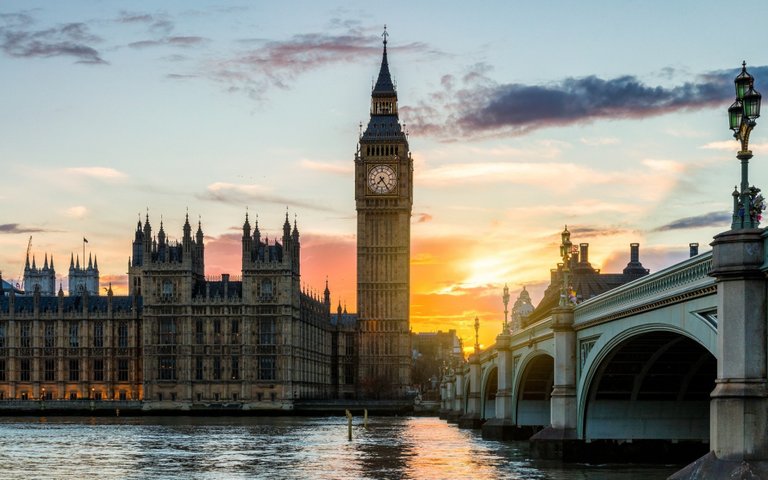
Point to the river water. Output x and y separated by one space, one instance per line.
274 447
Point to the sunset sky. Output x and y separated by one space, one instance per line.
523 116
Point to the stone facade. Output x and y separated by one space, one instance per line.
70 348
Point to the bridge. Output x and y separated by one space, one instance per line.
667 367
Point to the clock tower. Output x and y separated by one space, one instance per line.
384 200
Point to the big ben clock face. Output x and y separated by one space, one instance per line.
382 179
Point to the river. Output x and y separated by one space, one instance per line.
274 448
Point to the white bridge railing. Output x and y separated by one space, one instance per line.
683 279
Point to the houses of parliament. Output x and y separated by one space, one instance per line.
181 341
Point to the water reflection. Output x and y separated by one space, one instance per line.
288 447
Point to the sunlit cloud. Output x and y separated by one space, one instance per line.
422 218
599 141
733 146
77 211
541 174
100 173
343 169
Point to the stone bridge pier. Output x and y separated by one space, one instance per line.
471 419
560 437
739 407
503 427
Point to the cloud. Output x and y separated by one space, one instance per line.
179 76
156 23
77 211
101 173
277 63
481 107
710 219
11 228
179 41
423 218
734 146
599 142
19 40
243 194
541 173
592 231
344 169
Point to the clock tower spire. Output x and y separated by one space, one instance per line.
384 200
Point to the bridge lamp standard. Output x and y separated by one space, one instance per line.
748 204
565 253
505 299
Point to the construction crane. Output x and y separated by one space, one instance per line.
20 285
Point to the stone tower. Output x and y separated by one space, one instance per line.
83 279
42 279
384 200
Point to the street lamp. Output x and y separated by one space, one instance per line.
748 204
565 253
477 334
505 299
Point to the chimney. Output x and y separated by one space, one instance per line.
634 252
584 252
694 249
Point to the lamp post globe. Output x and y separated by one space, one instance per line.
748 203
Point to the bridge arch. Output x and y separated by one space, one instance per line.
534 389
648 382
490 385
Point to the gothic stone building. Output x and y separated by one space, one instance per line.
182 341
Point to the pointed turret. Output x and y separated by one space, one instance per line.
383 125
95 263
147 228
77 262
247 242
187 228
384 86
327 294
71 261
246 227
34 266
26 264
90 261
199 234
161 234
51 261
295 233
45 265
286 229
